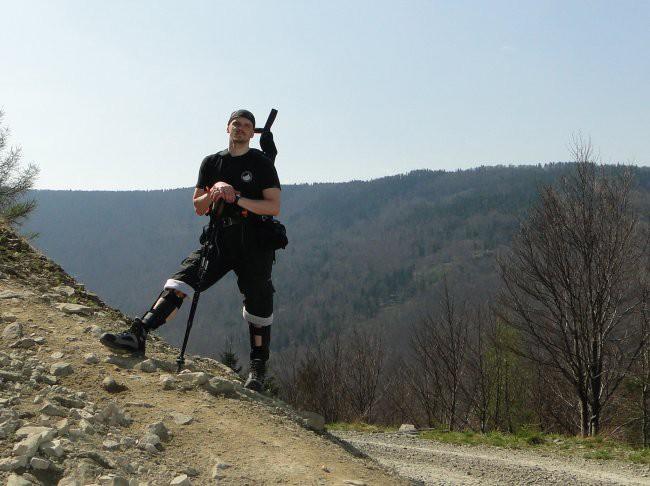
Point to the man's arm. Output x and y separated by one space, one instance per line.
201 201
269 206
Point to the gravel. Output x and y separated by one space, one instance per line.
429 462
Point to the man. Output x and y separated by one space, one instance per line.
246 180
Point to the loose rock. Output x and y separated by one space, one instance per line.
78 309
13 331
181 480
61 369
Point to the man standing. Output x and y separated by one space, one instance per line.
246 180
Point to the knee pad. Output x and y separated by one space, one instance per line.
258 302
260 352
156 316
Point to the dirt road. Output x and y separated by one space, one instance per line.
429 462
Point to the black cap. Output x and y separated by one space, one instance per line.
244 114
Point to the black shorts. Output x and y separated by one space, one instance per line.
252 267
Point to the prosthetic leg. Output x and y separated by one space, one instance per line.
134 339
260 339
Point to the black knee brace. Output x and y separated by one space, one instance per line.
260 352
156 316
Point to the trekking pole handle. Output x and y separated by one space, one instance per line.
269 122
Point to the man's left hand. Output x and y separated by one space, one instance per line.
222 190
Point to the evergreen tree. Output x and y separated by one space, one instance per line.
14 181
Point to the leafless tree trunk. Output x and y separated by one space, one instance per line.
440 345
481 389
365 355
569 283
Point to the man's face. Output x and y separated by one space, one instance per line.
241 130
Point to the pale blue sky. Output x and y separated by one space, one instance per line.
133 94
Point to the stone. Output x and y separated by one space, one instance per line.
40 463
61 369
150 440
121 361
86 427
314 420
91 358
53 410
29 446
167 382
110 385
15 480
57 355
220 386
28 430
407 429
354 482
96 330
191 471
23 343
8 317
181 419
196 378
159 429
68 402
64 290
52 448
148 366
48 379
77 309
11 376
11 294
13 331
111 414
69 481
13 463
110 444
181 480
112 480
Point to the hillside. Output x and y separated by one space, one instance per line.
72 413
368 253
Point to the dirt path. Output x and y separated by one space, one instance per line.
437 463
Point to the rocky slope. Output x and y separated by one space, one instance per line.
73 413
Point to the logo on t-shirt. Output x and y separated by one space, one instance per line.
247 176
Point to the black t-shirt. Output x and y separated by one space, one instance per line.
249 174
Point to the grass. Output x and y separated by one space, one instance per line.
597 448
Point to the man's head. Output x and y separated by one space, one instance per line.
241 126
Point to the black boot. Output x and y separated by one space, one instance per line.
132 340
255 380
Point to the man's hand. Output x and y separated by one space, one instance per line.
222 190
268 145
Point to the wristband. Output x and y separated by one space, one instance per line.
237 198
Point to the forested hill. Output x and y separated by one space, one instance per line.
360 252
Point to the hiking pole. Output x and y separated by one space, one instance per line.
203 265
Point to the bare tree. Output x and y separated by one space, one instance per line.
14 181
570 283
480 390
439 344
365 355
